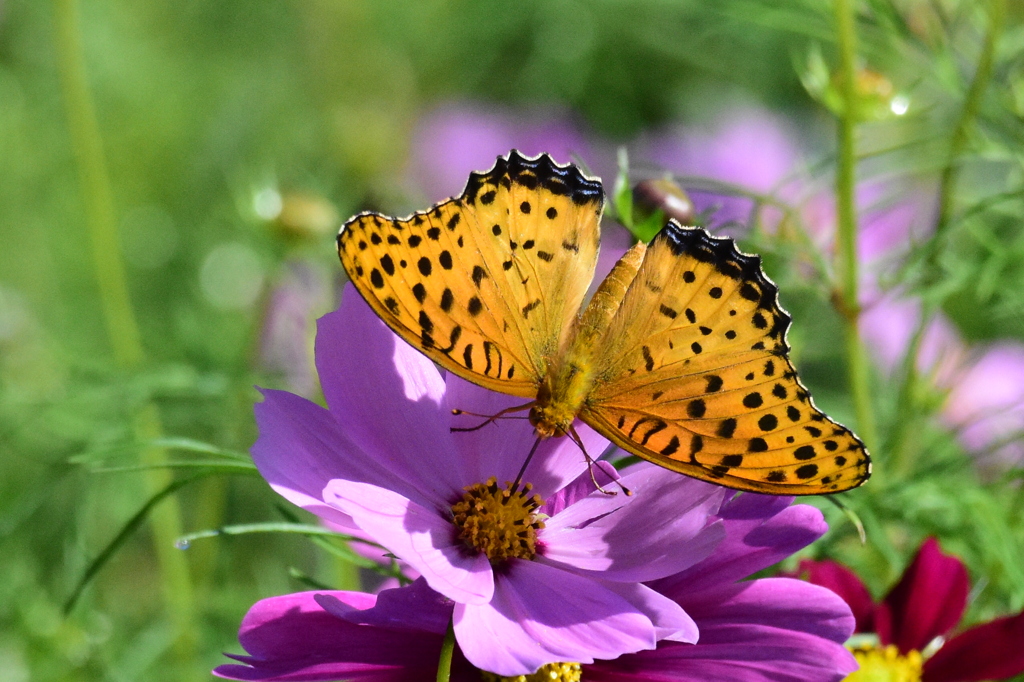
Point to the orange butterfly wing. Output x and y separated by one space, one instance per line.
486 284
693 375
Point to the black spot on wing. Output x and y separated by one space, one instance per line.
727 428
696 408
804 452
807 471
376 278
447 299
714 383
672 447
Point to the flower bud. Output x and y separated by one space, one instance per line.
662 194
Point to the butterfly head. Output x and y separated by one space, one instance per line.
550 417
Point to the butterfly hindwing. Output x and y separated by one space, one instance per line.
486 284
693 375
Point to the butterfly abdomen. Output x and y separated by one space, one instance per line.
570 379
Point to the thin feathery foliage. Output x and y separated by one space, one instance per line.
174 177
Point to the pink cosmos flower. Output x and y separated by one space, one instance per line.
766 630
559 579
924 607
888 324
987 406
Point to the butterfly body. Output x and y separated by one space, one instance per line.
563 393
680 356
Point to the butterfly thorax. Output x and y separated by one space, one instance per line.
564 390
560 397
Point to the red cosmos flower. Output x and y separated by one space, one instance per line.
926 603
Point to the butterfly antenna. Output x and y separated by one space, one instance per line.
489 419
591 465
522 469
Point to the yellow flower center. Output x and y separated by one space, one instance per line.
499 522
552 672
885 664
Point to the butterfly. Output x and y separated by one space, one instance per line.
680 356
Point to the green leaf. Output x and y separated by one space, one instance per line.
126 531
851 515
182 444
622 194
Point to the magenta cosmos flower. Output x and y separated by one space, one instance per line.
916 616
544 572
766 630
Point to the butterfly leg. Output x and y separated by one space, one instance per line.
489 418
590 465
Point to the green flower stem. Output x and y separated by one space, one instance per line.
444 664
118 315
846 253
901 452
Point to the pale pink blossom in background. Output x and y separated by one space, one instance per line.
746 146
304 291
456 139
986 405
888 325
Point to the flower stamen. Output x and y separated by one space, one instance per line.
885 664
552 672
498 522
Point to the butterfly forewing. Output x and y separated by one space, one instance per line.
486 284
693 375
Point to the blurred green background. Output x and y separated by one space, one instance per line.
201 155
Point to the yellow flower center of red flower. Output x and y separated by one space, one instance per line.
886 664
499 522
552 672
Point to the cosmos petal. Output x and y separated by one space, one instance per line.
778 602
300 448
660 530
421 537
387 397
670 620
734 653
847 585
761 530
500 448
991 651
412 607
928 601
292 638
541 614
